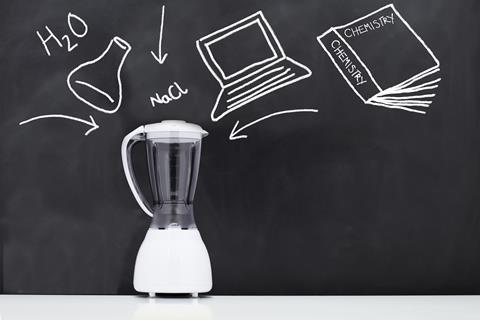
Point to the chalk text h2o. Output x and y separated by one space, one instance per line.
78 27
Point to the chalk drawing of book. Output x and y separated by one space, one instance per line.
248 61
384 60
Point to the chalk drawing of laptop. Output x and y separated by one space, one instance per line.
248 62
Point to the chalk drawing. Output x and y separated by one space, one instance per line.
174 92
45 40
342 43
65 37
159 57
110 105
91 123
256 79
82 22
70 47
234 135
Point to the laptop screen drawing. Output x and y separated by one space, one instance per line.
242 49
248 61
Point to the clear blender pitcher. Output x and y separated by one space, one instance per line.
173 257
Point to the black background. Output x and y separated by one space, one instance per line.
354 199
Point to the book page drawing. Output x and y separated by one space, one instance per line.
259 68
90 93
402 77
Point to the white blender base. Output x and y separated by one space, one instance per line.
172 261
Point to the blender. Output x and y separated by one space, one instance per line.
172 258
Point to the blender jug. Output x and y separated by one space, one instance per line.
173 257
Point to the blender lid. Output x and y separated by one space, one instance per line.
179 128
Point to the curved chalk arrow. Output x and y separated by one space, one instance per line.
234 134
91 123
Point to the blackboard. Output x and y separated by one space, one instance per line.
351 198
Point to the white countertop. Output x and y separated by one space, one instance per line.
38 307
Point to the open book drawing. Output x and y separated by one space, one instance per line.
384 60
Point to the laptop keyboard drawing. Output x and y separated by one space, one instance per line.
248 62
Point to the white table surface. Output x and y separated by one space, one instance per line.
240 307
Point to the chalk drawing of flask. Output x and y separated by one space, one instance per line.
97 82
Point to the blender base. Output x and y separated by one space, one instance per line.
172 261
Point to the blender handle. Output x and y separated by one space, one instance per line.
127 144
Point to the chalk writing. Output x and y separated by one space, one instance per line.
80 31
174 92
371 25
350 67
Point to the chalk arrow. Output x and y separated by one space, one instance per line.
160 57
91 123
235 136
